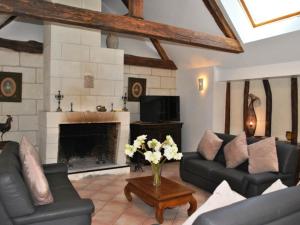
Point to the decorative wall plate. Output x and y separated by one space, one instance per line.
10 87
136 89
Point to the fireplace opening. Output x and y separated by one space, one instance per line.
87 146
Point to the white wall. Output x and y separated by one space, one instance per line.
196 107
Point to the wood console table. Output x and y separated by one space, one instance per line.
168 194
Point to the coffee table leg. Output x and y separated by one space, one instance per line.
193 206
159 214
127 193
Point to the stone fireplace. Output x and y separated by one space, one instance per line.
54 127
70 55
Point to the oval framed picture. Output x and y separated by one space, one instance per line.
136 88
10 87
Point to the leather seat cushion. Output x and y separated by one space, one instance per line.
203 168
61 188
235 178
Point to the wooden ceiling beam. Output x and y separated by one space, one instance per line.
220 19
149 62
160 50
33 47
8 21
136 8
52 12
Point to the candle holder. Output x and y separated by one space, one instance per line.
59 97
125 98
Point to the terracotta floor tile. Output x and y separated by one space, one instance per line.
112 207
106 217
115 206
99 205
102 196
128 219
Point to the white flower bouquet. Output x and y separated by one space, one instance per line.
152 150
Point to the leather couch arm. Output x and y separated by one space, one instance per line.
274 208
55 168
263 178
57 210
191 155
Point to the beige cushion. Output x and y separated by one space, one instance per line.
222 196
209 145
33 174
263 156
236 151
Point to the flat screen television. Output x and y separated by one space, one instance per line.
160 108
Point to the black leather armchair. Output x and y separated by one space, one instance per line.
209 174
277 208
16 206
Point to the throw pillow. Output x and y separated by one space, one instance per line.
209 145
33 174
222 196
276 186
236 151
263 156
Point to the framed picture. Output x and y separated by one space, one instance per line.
10 87
136 89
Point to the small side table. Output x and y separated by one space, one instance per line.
169 194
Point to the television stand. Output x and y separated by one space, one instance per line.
158 131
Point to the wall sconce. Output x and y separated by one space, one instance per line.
200 84
88 81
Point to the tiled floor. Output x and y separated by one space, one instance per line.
112 208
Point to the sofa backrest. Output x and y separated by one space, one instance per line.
277 208
287 154
14 194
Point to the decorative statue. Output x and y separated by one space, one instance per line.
59 97
251 122
5 127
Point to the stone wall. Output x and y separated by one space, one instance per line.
71 53
159 82
25 113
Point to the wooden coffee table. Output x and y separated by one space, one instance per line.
169 194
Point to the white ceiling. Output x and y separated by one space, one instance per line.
193 14
190 14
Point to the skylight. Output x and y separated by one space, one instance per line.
261 12
272 14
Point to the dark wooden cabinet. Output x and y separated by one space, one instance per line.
158 131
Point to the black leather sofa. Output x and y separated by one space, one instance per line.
209 174
16 206
277 208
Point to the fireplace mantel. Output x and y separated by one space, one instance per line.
49 130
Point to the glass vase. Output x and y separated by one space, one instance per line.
156 172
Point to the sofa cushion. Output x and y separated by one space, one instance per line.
61 187
263 156
222 196
33 174
235 178
276 186
236 151
14 194
203 168
209 145
226 139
